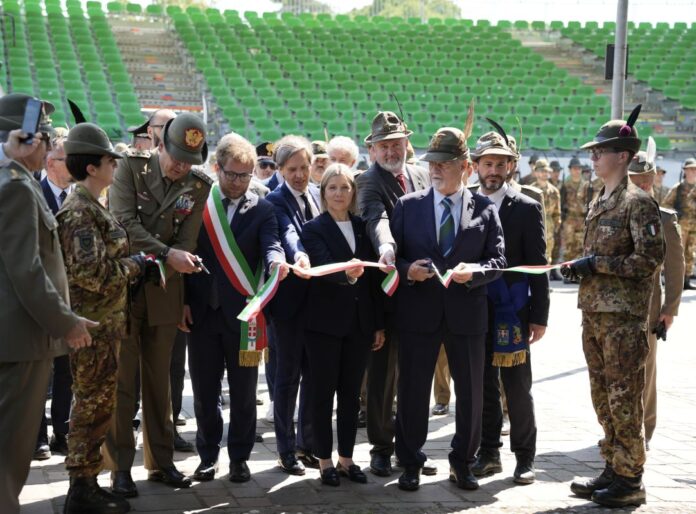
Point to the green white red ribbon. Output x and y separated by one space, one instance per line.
260 299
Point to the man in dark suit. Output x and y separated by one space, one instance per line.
56 186
379 188
214 301
294 206
518 310
443 229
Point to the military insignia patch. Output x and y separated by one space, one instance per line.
269 148
193 138
651 229
184 204
85 242
437 140
503 334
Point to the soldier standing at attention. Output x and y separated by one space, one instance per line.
572 211
659 190
95 248
160 202
623 248
552 203
36 323
682 198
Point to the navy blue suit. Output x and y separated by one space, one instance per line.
215 333
287 311
341 324
62 378
427 315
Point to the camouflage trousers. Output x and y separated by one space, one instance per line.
556 253
688 230
616 347
549 243
94 371
572 232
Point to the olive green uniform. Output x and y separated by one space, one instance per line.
95 248
682 198
625 235
157 213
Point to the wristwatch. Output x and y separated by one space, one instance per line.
164 254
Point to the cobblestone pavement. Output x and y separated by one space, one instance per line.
567 447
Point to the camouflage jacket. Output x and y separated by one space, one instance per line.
682 198
624 233
573 205
95 250
552 205
589 190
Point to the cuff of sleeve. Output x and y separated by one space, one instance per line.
385 247
299 255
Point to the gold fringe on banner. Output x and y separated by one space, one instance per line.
251 358
508 360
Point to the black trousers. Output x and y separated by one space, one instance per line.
61 398
214 348
292 374
517 381
382 377
336 366
177 372
417 358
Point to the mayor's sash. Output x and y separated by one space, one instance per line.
253 344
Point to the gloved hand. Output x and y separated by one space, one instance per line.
149 270
579 268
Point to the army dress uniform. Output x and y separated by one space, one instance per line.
623 248
158 214
682 199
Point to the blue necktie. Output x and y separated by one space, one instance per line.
446 227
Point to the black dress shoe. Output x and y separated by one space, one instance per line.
181 444
586 486
329 476
687 284
122 484
622 492
353 472
180 422
440 409
410 479
362 419
487 463
307 458
380 465
239 472
463 477
524 473
290 464
42 452
205 471
59 444
170 476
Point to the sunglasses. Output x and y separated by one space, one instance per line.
268 164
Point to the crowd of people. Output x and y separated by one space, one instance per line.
110 259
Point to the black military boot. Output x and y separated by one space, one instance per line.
487 462
86 497
687 284
586 486
622 492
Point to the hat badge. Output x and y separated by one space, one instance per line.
269 148
193 138
437 140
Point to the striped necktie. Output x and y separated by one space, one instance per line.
446 227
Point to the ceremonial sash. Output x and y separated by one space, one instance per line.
253 344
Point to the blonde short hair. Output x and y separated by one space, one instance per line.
233 146
334 170
288 146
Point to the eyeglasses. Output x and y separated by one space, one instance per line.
156 126
268 164
596 153
233 176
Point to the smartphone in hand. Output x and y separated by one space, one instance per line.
32 117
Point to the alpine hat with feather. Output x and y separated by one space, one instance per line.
618 134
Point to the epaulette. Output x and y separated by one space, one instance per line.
671 212
134 152
16 174
202 175
473 187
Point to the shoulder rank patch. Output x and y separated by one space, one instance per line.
201 175
134 152
651 229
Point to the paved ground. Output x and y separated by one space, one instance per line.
568 433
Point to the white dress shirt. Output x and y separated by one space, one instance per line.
300 201
347 229
498 196
232 207
456 208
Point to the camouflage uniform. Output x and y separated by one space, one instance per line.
552 209
95 247
588 192
660 193
682 198
572 218
624 233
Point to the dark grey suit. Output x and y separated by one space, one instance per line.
378 192
35 314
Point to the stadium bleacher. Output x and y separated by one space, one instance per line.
269 75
